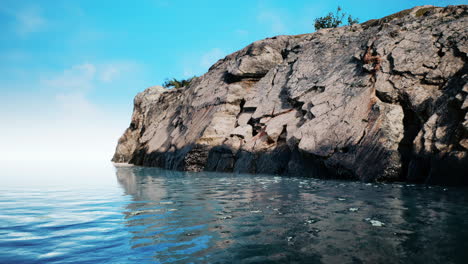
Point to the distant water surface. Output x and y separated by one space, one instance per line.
95 213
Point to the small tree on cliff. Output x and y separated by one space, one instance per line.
334 20
174 83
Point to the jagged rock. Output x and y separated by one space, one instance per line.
258 58
242 131
128 143
383 100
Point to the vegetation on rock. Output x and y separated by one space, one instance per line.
334 20
175 83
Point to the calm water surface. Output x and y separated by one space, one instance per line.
89 213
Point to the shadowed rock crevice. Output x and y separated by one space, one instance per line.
282 160
230 78
412 125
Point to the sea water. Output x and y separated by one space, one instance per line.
98 213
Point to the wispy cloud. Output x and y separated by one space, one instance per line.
87 75
115 70
110 73
30 20
78 77
26 20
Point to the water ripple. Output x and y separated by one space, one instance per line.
175 217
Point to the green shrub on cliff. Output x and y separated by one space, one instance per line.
174 83
334 20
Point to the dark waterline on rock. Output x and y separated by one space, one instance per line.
140 215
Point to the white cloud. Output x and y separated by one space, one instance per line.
110 73
78 77
28 19
273 19
87 75
113 71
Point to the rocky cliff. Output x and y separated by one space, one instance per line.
383 100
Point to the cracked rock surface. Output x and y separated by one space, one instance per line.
380 101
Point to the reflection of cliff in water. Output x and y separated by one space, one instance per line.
435 227
139 185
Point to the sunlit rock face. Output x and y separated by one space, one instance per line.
383 100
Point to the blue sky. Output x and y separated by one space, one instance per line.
69 69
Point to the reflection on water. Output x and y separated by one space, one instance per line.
210 217
176 217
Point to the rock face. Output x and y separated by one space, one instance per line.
383 100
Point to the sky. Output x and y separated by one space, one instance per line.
69 69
